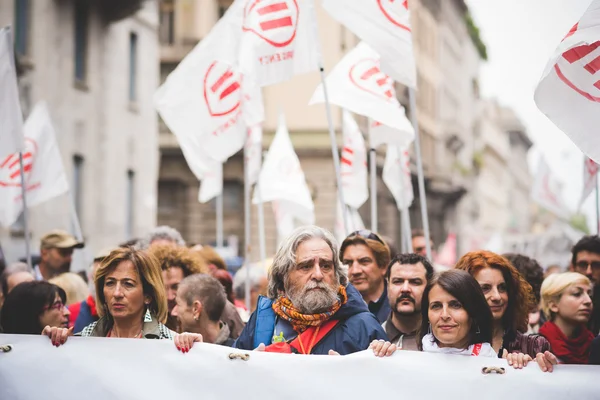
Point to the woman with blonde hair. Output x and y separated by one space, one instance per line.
73 285
131 301
566 300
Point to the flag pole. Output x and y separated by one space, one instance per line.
597 208
421 179
25 213
405 216
373 175
247 231
334 146
87 257
219 201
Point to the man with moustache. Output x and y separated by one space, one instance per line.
367 257
310 308
406 278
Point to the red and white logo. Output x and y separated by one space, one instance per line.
578 68
222 89
396 11
10 170
367 76
274 21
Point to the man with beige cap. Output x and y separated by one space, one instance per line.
56 252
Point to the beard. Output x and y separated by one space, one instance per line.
314 297
399 300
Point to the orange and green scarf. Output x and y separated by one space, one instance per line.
284 309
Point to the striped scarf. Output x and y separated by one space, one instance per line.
284 308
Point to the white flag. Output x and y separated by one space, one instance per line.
546 191
381 134
279 40
569 90
284 219
353 168
590 178
254 153
385 26
44 173
282 179
355 222
397 177
205 101
358 85
211 184
11 118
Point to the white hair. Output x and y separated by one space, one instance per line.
285 258
161 233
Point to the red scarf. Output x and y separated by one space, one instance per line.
569 351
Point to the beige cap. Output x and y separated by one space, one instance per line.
60 240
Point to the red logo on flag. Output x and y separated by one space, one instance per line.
222 89
274 21
393 10
578 66
367 76
10 169
591 166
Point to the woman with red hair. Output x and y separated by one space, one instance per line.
510 299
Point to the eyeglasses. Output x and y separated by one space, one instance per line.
58 305
366 234
583 265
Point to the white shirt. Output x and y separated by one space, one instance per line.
479 349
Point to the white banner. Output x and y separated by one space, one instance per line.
397 177
130 369
353 163
590 177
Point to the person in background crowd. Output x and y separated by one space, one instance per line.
534 275
310 308
407 277
390 243
176 263
161 235
585 259
56 253
367 257
419 244
200 302
73 285
258 287
566 300
224 277
31 306
131 302
553 269
14 274
510 298
212 258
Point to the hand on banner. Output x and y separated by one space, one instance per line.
516 360
382 348
58 336
546 361
333 353
261 347
185 341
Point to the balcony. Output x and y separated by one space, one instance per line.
116 10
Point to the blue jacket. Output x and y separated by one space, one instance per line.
355 331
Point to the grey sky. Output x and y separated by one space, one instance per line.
521 35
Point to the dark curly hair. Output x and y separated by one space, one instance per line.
530 269
520 294
188 260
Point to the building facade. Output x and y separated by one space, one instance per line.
95 63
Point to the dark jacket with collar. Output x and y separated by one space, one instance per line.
355 331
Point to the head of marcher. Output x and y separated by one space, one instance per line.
585 258
31 306
129 290
14 274
455 314
161 235
367 257
508 295
419 244
306 280
407 278
200 301
56 252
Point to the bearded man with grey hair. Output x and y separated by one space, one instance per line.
310 308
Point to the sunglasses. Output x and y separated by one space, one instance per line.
58 305
366 234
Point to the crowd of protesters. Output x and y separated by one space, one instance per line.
314 297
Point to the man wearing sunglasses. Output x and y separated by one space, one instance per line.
586 260
56 252
367 257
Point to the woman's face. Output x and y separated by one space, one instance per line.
55 314
575 304
494 289
450 323
123 292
